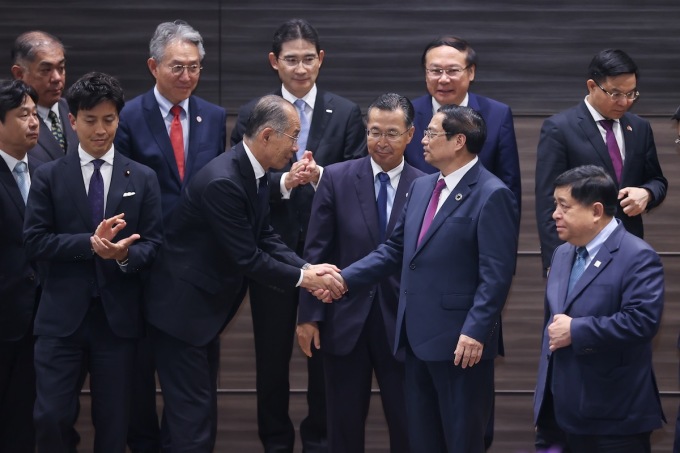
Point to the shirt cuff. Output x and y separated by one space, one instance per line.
316 184
285 193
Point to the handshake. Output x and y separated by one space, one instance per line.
324 282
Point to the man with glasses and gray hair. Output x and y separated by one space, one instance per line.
175 133
332 131
600 131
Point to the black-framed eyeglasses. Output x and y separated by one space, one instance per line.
389 135
293 62
453 73
295 139
178 69
630 96
431 134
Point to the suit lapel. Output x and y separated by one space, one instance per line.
194 135
10 184
629 141
405 180
73 178
156 125
365 190
323 110
119 183
250 186
592 133
562 265
69 134
48 142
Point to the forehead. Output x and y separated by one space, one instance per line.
387 118
48 53
623 82
445 55
298 47
103 109
181 51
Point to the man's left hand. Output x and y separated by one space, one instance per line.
468 352
634 200
559 332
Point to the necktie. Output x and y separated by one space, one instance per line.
431 208
95 194
613 148
262 193
177 139
57 130
20 171
304 127
382 204
578 267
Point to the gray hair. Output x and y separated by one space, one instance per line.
168 32
27 45
270 111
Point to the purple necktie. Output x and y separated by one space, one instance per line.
95 194
613 148
431 209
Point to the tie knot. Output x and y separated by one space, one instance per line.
97 163
176 110
440 186
20 167
52 116
383 177
300 104
607 124
582 252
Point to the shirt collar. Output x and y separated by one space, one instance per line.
44 112
309 98
166 105
452 179
11 161
396 171
597 116
258 169
85 158
596 243
436 105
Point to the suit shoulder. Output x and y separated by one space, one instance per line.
422 102
345 167
209 106
417 173
338 101
490 104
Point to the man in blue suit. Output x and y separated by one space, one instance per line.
596 391
455 244
38 59
357 333
93 221
176 149
19 290
450 64
578 137
333 132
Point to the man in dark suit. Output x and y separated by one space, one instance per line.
38 59
217 239
456 269
148 133
596 391
332 131
600 131
19 290
357 334
450 64
93 220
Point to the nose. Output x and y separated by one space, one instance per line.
557 214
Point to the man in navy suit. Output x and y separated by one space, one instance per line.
19 289
578 137
450 64
145 134
596 391
357 333
93 220
219 238
455 244
333 132
38 59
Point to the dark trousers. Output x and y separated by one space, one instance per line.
274 313
143 432
348 389
447 407
58 367
188 378
17 396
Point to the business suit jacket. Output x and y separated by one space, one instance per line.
18 275
218 236
47 148
603 383
571 139
499 154
457 280
143 137
57 231
338 238
336 134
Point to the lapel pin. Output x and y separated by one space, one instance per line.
459 196
329 111
199 119
597 263
127 172
629 129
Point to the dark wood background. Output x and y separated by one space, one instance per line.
532 56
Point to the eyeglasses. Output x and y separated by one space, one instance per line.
178 69
293 62
453 73
391 136
630 96
430 134
295 139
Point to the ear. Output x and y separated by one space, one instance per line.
18 72
72 120
471 71
273 61
597 210
153 67
410 133
591 85
321 54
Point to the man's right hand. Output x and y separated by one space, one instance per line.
308 332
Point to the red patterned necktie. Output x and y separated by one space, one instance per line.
177 139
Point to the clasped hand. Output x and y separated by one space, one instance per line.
324 282
102 240
303 172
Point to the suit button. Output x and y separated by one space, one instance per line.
412 266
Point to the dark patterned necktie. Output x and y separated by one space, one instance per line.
382 204
95 194
57 130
